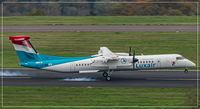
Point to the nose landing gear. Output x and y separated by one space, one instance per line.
107 75
186 70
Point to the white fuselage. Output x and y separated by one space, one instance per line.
99 63
105 61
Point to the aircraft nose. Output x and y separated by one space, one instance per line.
191 64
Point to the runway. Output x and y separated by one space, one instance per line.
100 28
149 79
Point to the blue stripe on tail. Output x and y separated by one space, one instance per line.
27 57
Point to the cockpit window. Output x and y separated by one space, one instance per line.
179 58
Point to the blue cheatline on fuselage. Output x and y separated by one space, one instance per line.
40 61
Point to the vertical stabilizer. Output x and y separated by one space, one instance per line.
24 48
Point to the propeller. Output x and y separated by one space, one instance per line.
134 59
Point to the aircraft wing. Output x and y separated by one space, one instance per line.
107 54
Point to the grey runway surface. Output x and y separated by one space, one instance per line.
150 79
101 28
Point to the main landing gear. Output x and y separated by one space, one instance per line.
107 75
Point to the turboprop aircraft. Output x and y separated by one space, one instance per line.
105 61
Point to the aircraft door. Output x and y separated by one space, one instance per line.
72 67
158 63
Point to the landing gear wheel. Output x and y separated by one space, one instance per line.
105 74
108 78
186 70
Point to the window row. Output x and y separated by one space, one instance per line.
145 61
83 64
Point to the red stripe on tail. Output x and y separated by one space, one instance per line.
21 40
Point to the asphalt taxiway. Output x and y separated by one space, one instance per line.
100 28
151 79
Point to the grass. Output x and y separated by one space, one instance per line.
98 96
88 43
35 20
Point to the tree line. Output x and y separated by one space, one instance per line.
99 9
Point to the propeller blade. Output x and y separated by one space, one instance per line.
134 59
130 49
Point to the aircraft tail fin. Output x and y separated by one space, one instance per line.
24 48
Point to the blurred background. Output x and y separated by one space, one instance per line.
98 8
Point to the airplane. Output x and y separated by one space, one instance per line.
105 61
